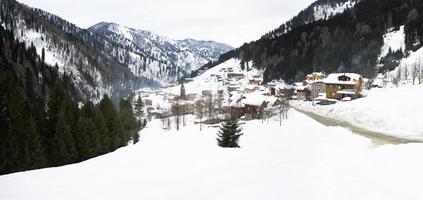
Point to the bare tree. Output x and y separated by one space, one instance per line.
397 79
420 69
283 110
200 111
165 123
210 105
183 109
178 115
219 101
406 73
415 72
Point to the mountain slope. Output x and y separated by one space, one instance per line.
89 60
348 42
114 60
158 57
319 10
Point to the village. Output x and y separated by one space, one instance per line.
229 92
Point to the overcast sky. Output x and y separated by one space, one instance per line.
230 21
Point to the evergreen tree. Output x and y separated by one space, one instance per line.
129 122
10 121
63 146
136 138
4 125
113 123
87 138
83 142
139 107
229 134
56 100
43 56
102 132
32 150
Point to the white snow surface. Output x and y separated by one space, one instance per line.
302 159
324 12
208 80
393 111
394 40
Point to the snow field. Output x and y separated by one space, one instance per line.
300 160
393 111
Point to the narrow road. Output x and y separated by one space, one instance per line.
377 137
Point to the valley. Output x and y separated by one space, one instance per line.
328 105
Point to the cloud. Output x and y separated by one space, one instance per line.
230 21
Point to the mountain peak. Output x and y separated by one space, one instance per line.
161 53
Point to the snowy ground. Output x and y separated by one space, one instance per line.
300 160
205 81
393 111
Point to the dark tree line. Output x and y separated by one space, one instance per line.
41 125
31 138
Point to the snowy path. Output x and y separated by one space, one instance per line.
377 137
301 160
397 112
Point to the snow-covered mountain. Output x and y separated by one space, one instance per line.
319 10
107 58
158 57
87 61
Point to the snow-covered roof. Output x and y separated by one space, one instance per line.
334 78
236 100
317 81
299 84
300 88
345 92
251 87
256 99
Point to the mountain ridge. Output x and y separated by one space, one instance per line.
350 41
174 58
96 64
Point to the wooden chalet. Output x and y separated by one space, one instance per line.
342 85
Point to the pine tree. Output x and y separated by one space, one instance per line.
139 107
229 134
103 133
87 139
113 123
136 138
4 124
129 122
82 139
56 100
32 150
11 121
43 56
63 146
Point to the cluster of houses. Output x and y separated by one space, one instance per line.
334 87
239 95
235 93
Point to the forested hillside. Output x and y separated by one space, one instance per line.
90 61
41 123
348 42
